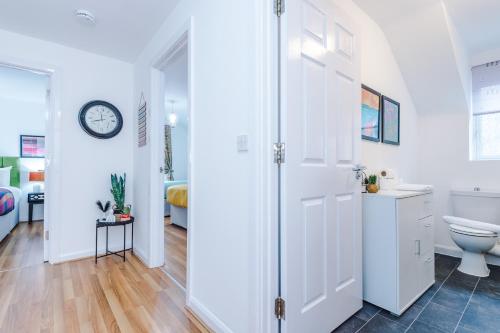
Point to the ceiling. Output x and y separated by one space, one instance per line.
23 85
477 23
122 30
475 20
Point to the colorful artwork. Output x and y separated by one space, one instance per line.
390 122
32 146
370 114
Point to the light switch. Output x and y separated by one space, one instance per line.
242 143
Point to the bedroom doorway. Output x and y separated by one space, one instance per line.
171 89
175 165
25 102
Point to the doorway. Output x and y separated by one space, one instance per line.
171 89
25 100
175 166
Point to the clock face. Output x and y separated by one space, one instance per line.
101 119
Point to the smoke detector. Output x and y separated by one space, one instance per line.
85 17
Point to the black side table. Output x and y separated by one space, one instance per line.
36 198
100 224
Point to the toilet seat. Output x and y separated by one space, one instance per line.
471 232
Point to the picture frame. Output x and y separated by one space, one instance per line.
370 114
32 146
391 111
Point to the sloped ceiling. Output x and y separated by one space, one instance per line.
419 34
477 23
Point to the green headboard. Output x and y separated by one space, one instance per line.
15 174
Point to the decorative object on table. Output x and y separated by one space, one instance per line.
372 184
370 114
32 146
118 192
390 121
142 122
37 177
100 119
34 199
104 209
126 212
388 179
168 153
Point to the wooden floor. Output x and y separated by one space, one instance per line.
22 247
81 296
175 252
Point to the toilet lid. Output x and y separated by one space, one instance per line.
470 231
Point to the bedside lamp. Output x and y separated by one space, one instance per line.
37 176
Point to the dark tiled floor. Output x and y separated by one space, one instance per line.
456 303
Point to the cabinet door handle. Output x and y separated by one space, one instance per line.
417 247
428 225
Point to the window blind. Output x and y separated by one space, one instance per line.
486 88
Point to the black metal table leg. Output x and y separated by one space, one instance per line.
96 243
124 234
107 250
30 213
132 238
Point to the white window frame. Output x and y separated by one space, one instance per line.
475 138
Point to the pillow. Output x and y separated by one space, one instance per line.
5 176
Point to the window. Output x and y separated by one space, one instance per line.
486 111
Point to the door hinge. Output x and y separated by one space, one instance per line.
279 153
46 235
279 308
279 7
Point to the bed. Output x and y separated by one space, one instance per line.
11 219
177 197
167 184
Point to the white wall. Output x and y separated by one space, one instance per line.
380 71
86 162
22 117
180 150
223 272
444 149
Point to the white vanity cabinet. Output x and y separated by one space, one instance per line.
398 248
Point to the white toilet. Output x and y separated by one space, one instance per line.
475 228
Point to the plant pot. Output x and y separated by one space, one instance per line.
372 188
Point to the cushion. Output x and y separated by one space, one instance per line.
5 176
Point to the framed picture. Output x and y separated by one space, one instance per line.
390 121
32 146
370 114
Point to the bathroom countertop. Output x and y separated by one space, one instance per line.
395 194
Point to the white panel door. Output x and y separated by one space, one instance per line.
321 205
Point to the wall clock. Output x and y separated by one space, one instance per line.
100 119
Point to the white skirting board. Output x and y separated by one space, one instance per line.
206 316
457 253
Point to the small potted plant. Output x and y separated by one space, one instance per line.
372 184
118 192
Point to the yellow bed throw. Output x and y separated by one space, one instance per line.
177 195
